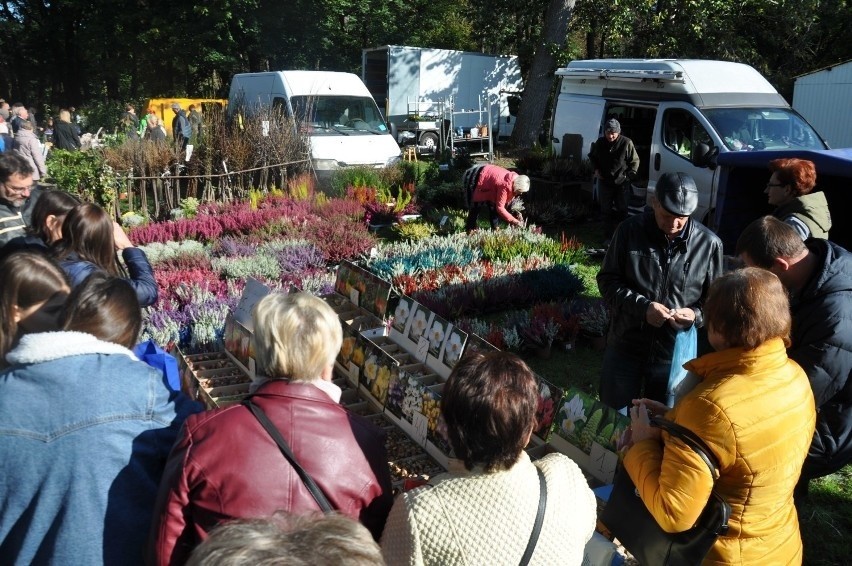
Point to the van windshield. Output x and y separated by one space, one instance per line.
747 129
334 115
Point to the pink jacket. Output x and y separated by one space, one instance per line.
496 185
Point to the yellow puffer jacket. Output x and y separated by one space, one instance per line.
755 410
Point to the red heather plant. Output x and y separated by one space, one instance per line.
337 240
362 195
169 281
184 262
346 207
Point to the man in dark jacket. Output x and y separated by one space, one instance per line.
818 275
16 186
181 128
616 165
654 278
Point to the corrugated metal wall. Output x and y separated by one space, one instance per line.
824 98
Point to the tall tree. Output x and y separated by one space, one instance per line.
540 79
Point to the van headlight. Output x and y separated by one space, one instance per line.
326 164
393 160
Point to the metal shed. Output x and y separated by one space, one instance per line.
823 98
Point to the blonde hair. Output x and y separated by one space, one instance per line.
296 336
65 116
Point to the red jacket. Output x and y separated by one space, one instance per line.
496 185
226 466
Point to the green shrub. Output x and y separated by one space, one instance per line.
189 206
448 194
413 230
357 177
83 173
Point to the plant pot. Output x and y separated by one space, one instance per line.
483 131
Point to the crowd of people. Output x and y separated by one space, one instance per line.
104 463
22 133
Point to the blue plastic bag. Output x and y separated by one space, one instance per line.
685 349
150 353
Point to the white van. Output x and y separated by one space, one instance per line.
679 113
336 111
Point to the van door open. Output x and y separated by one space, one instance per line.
576 125
679 130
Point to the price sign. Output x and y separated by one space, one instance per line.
421 428
603 462
353 296
443 221
422 349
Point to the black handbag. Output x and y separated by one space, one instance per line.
629 520
313 488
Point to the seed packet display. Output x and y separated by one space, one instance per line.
549 396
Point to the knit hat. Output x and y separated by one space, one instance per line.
677 193
612 125
175 106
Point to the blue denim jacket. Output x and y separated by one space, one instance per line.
85 429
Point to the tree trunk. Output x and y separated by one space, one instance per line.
540 80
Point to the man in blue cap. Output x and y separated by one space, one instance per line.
654 278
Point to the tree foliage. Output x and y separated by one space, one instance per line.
71 52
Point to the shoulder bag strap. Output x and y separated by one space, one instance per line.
309 482
539 519
692 440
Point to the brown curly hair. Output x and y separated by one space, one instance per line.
799 174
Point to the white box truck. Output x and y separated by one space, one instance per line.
679 113
420 81
341 119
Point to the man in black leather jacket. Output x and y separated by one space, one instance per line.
654 278
818 275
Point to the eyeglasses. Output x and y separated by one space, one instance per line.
18 189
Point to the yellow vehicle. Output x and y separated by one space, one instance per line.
162 107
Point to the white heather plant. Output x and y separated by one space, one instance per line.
157 252
260 266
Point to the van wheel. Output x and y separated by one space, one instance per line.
429 141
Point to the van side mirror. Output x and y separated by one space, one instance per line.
392 129
705 156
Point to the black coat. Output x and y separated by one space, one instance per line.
65 136
639 268
822 345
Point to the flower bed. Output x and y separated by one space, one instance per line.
202 263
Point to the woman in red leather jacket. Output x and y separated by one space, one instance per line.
226 466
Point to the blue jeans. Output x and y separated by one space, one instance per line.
625 377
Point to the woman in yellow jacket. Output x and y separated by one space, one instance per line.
755 410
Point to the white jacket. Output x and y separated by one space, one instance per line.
476 518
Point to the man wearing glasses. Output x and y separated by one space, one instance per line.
16 184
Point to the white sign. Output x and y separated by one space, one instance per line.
422 349
253 292
353 296
603 462
421 428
